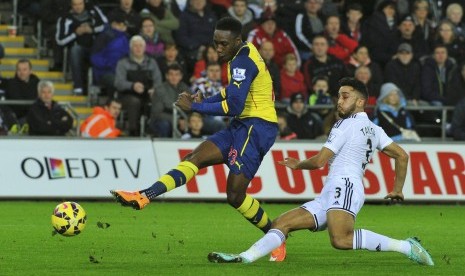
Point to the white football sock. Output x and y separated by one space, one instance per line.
364 239
272 240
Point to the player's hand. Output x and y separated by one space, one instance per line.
198 97
80 30
138 87
185 101
395 196
290 163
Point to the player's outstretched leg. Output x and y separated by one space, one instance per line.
176 177
216 257
130 199
418 253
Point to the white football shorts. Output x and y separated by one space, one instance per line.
339 193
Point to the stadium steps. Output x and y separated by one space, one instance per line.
12 42
15 49
80 100
83 112
43 75
9 64
20 52
3 30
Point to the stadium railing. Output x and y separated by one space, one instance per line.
282 106
66 105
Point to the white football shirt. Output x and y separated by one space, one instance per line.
353 141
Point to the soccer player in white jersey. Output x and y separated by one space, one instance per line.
348 149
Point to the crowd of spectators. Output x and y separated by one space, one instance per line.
145 52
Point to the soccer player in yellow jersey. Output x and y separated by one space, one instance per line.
249 99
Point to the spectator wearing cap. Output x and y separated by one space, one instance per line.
303 122
380 32
408 34
404 71
351 26
268 31
109 47
340 45
131 17
308 23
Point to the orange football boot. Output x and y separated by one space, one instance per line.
130 199
279 254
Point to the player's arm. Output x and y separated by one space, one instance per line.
233 97
315 162
394 151
215 98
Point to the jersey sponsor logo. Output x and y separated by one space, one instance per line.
238 74
239 165
238 84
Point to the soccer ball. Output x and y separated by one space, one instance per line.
69 218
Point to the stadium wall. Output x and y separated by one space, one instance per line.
85 168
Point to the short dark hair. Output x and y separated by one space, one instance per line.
355 7
111 100
229 24
24 60
320 77
320 36
440 45
212 63
174 67
356 85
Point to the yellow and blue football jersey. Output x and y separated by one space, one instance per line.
249 93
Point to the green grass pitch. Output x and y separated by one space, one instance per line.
170 238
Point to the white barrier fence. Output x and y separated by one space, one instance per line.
80 168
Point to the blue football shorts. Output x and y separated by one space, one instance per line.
244 143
